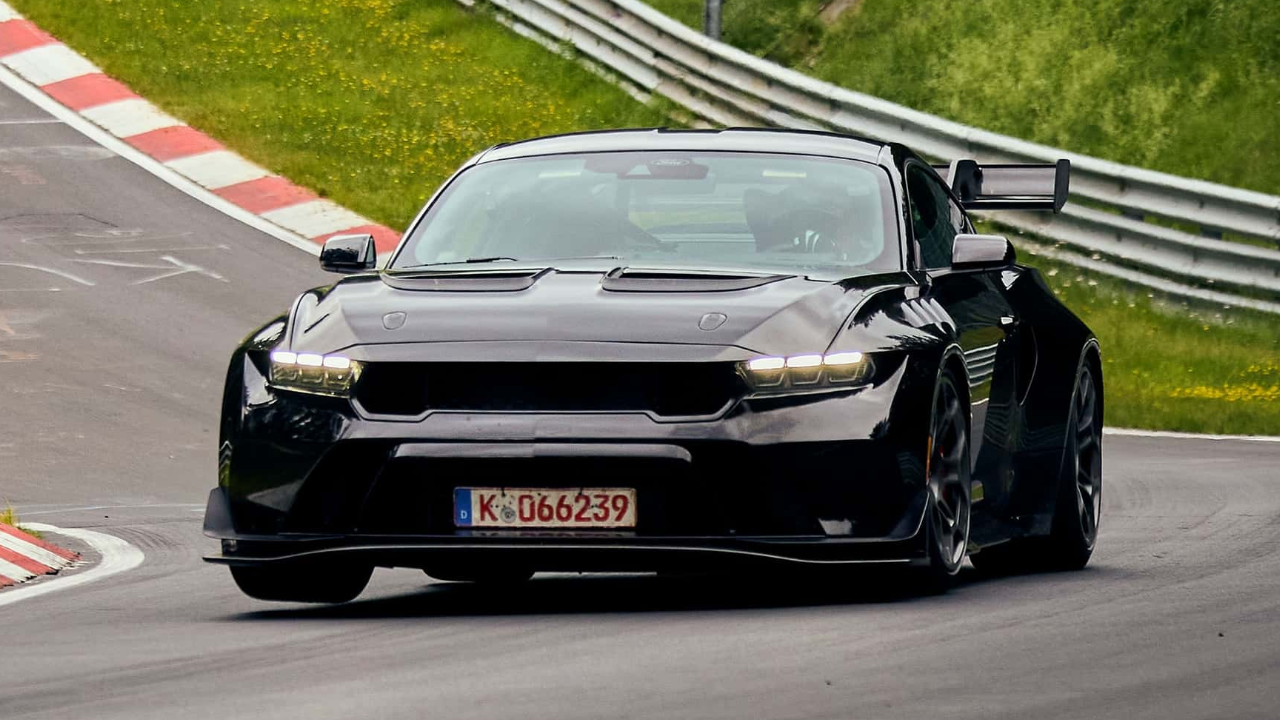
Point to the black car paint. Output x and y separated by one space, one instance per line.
835 452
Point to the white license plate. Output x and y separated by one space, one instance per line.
544 508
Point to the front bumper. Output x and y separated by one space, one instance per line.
827 479
554 552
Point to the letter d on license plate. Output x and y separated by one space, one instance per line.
544 508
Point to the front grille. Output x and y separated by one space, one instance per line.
727 489
665 389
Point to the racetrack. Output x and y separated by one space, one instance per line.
110 388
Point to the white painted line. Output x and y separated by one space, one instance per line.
13 572
7 13
126 118
151 165
218 168
315 218
49 64
180 248
51 271
1133 432
81 508
117 557
180 268
33 121
32 551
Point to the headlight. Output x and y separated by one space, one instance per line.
313 373
804 372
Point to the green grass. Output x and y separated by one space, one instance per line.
1190 87
9 516
374 102
370 102
1172 365
781 30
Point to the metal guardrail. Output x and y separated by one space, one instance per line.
726 86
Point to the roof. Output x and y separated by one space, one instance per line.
801 142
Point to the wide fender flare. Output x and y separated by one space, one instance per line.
913 406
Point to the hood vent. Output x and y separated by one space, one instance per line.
465 280
660 280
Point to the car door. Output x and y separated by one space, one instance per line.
985 327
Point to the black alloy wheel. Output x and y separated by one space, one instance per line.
947 521
1079 509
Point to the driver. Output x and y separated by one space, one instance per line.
813 218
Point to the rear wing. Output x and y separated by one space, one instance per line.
1008 187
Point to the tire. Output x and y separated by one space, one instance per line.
311 583
486 576
948 476
1078 506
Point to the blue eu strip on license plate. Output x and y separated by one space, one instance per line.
462 507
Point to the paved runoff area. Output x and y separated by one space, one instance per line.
76 83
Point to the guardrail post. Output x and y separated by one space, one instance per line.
711 18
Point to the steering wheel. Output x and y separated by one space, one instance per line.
809 230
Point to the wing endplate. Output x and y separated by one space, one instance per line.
1008 187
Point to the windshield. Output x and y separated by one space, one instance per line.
756 211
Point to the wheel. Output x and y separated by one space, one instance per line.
311 583
486 575
1079 501
947 519
1079 506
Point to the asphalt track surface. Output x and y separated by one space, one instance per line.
109 388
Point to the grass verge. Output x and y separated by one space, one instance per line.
9 516
1184 86
1173 365
374 102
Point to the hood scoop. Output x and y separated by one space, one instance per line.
465 280
660 280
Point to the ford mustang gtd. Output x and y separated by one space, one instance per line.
657 350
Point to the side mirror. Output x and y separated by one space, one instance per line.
349 254
981 251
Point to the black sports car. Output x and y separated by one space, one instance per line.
655 350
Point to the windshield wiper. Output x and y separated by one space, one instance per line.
470 260
499 258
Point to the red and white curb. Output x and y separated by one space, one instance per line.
24 557
116 556
79 87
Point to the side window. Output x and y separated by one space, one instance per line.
935 219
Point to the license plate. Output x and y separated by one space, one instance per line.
544 508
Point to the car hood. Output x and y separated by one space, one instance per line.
385 316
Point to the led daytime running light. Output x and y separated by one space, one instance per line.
804 361
766 363
313 373
843 358
807 371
